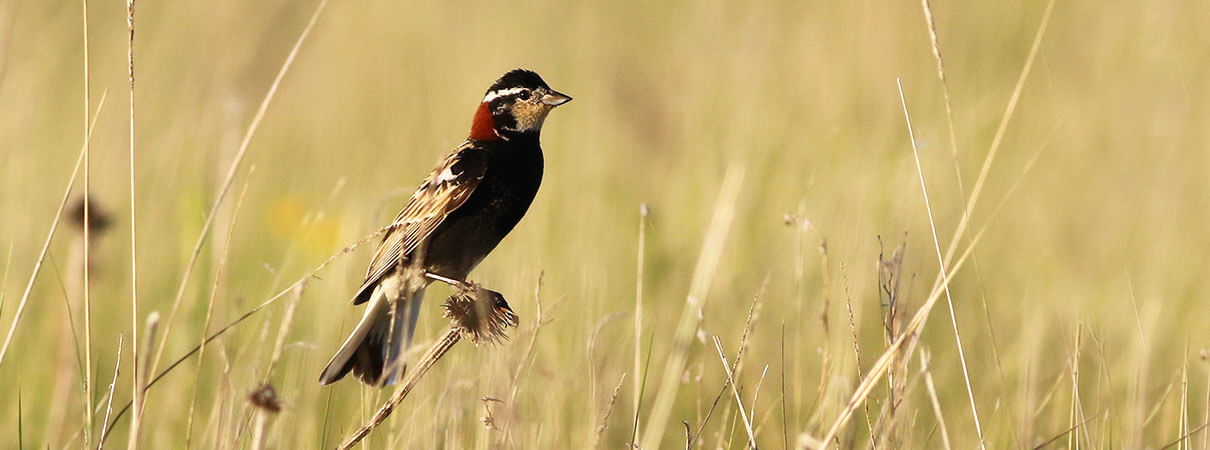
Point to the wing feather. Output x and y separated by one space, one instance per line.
442 192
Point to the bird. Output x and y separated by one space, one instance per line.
458 215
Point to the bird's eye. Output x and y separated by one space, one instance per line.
523 95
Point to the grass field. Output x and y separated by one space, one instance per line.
785 218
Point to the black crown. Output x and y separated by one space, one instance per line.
518 78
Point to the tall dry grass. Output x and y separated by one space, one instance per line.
1050 185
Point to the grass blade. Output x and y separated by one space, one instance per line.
707 263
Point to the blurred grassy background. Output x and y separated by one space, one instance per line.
1105 239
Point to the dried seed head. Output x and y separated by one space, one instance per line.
265 397
480 314
98 218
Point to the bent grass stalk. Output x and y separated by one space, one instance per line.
880 366
271 300
475 313
117 364
739 402
910 332
941 263
230 177
703 275
50 234
218 278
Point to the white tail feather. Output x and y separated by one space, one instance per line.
391 334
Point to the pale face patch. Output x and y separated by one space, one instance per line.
530 115
526 108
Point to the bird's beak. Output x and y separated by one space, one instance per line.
554 98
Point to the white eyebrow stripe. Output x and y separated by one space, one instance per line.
501 93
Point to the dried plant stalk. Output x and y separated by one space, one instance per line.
264 399
476 313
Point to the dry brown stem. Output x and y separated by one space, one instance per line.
476 313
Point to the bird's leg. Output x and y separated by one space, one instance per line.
473 290
464 286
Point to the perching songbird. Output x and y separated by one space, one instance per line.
457 216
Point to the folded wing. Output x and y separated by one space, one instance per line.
442 192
